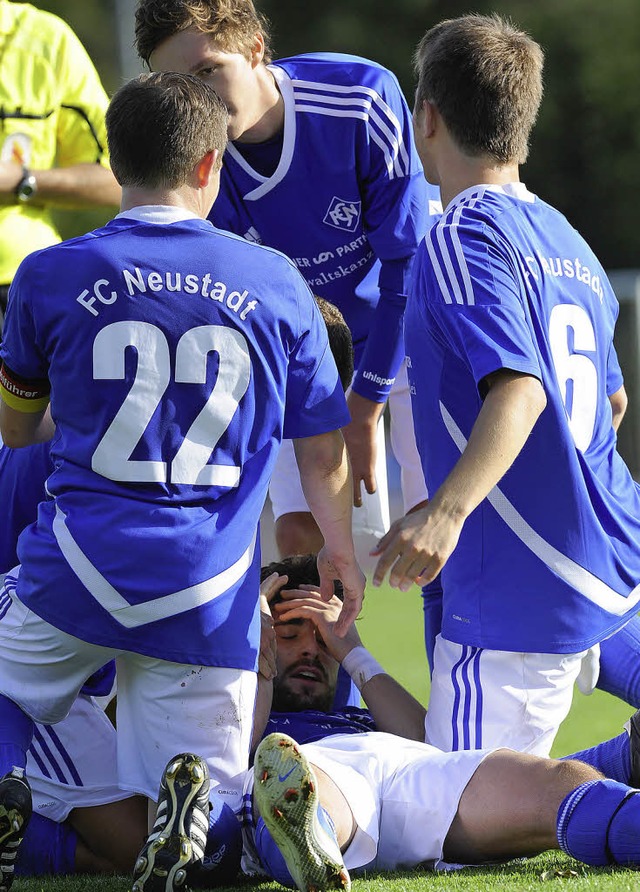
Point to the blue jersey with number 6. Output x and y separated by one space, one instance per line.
550 560
178 357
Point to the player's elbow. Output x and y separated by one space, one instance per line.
320 455
17 429
13 437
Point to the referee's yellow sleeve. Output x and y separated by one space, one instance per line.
81 136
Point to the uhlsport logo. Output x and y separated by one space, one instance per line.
343 214
252 235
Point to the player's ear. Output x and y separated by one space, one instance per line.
428 118
256 53
206 167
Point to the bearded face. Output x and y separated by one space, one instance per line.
307 674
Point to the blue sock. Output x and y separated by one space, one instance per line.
599 823
270 855
612 758
16 734
620 664
223 851
46 848
432 605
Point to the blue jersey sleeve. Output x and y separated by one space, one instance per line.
315 402
395 210
474 300
19 349
23 474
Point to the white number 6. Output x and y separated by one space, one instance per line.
575 367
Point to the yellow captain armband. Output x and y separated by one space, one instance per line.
21 394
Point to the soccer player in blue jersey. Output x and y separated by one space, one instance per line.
343 796
535 519
321 164
166 359
299 702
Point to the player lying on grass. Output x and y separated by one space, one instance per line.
305 663
354 795
395 802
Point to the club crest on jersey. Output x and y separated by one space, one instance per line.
343 214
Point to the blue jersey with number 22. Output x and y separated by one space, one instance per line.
178 358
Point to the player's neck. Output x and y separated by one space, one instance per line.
269 114
461 173
184 199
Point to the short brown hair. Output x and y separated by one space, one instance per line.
485 78
233 23
301 569
340 340
160 125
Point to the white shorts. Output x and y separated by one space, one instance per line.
73 764
371 521
403 796
489 698
163 708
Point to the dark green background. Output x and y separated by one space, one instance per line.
586 148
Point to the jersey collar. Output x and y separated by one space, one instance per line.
158 213
515 190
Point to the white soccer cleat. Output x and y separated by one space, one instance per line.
286 793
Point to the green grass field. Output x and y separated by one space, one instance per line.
391 626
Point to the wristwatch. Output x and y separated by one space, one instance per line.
27 187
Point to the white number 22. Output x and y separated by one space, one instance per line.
575 367
112 457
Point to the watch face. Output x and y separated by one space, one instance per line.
27 188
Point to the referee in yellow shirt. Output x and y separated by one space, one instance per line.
53 149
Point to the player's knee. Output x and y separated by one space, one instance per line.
570 773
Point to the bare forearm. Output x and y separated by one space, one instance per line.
418 545
326 482
393 708
510 410
83 185
264 699
23 429
361 440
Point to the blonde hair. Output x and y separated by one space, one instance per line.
232 23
